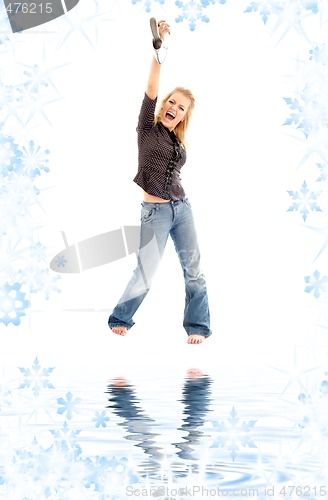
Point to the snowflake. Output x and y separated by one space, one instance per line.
12 304
324 387
296 118
68 405
233 435
264 8
100 419
34 471
289 12
304 201
38 252
60 472
5 397
4 39
105 475
319 55
147 3
25 475
191 12
32 104
7 99
313 422
79 25
10 254
65 440
36 79
18 195
34 160
36 378
317 284
323 167
205 3
309 113
60 261
41 280
9 155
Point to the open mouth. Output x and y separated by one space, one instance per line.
169 116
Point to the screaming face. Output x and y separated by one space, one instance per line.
174 110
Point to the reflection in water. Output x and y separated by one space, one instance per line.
124 403
196 401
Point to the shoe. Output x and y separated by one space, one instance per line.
159 47
157 41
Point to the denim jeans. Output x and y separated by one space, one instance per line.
173 219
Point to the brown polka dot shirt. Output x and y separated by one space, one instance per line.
160 156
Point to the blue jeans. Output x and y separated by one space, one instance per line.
174 218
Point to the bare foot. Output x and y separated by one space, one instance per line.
120 330
119 382
195 339
194 373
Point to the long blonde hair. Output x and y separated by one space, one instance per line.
181 128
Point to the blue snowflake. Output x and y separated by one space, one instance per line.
68 405
297 118
97 470
104 473
316 284
13 304
29 462
234 434
8 95
41 280
100 419
36 377
309 112
18 195
26 471
324 388
148 3
310 5
304 201
34 471
34 160
206 3
80 25
66 440
4 39
9 155
38 252
323 177
192 12
61 261
38 472
319 54
314 412
36 79
264 9
5 397
289 12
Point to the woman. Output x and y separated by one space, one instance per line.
165 209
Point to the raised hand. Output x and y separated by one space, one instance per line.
163 29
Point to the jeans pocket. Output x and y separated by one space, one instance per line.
187 202
148 213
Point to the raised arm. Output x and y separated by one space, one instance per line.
155 68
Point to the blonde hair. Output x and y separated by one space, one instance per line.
181 128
